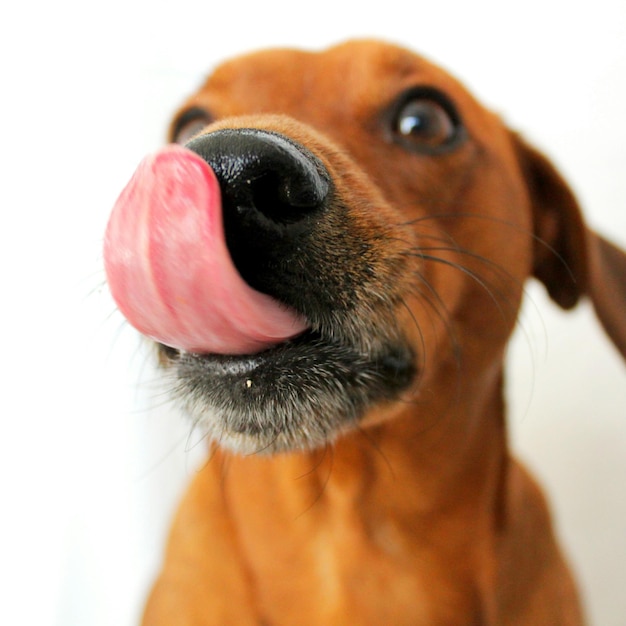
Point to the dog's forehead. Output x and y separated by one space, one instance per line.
362 57
357 71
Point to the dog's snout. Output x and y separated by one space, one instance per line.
264 177
273 191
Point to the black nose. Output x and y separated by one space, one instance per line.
273 190
264 175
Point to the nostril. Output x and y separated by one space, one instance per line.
270 197
264 172
286 201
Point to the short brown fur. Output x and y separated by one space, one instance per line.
419 516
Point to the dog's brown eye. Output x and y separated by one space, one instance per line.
189 124
425 124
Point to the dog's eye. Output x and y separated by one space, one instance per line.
424 122
189 124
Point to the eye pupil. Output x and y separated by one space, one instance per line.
422 123
417 122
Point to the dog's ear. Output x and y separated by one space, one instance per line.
570 259
607 287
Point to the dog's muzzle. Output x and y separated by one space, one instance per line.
280 327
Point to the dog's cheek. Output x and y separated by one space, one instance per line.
355 264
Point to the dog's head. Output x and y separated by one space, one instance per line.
367 192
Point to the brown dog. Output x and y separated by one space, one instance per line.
359 471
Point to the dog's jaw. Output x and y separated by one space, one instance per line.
298 395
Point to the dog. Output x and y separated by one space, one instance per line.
348 371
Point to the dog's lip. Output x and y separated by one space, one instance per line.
300 394
238 364
395 363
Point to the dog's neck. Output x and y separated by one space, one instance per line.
416 464
418 494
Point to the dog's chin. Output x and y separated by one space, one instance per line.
297 395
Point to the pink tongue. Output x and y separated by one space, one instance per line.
169 269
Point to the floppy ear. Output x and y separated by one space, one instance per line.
570 259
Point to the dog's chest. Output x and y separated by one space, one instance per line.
316 571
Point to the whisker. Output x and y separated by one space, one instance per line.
497 220
374 445
316 465
502 272
328 449
473 275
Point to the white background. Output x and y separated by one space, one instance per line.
91 459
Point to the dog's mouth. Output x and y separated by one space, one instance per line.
206 270
299 394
